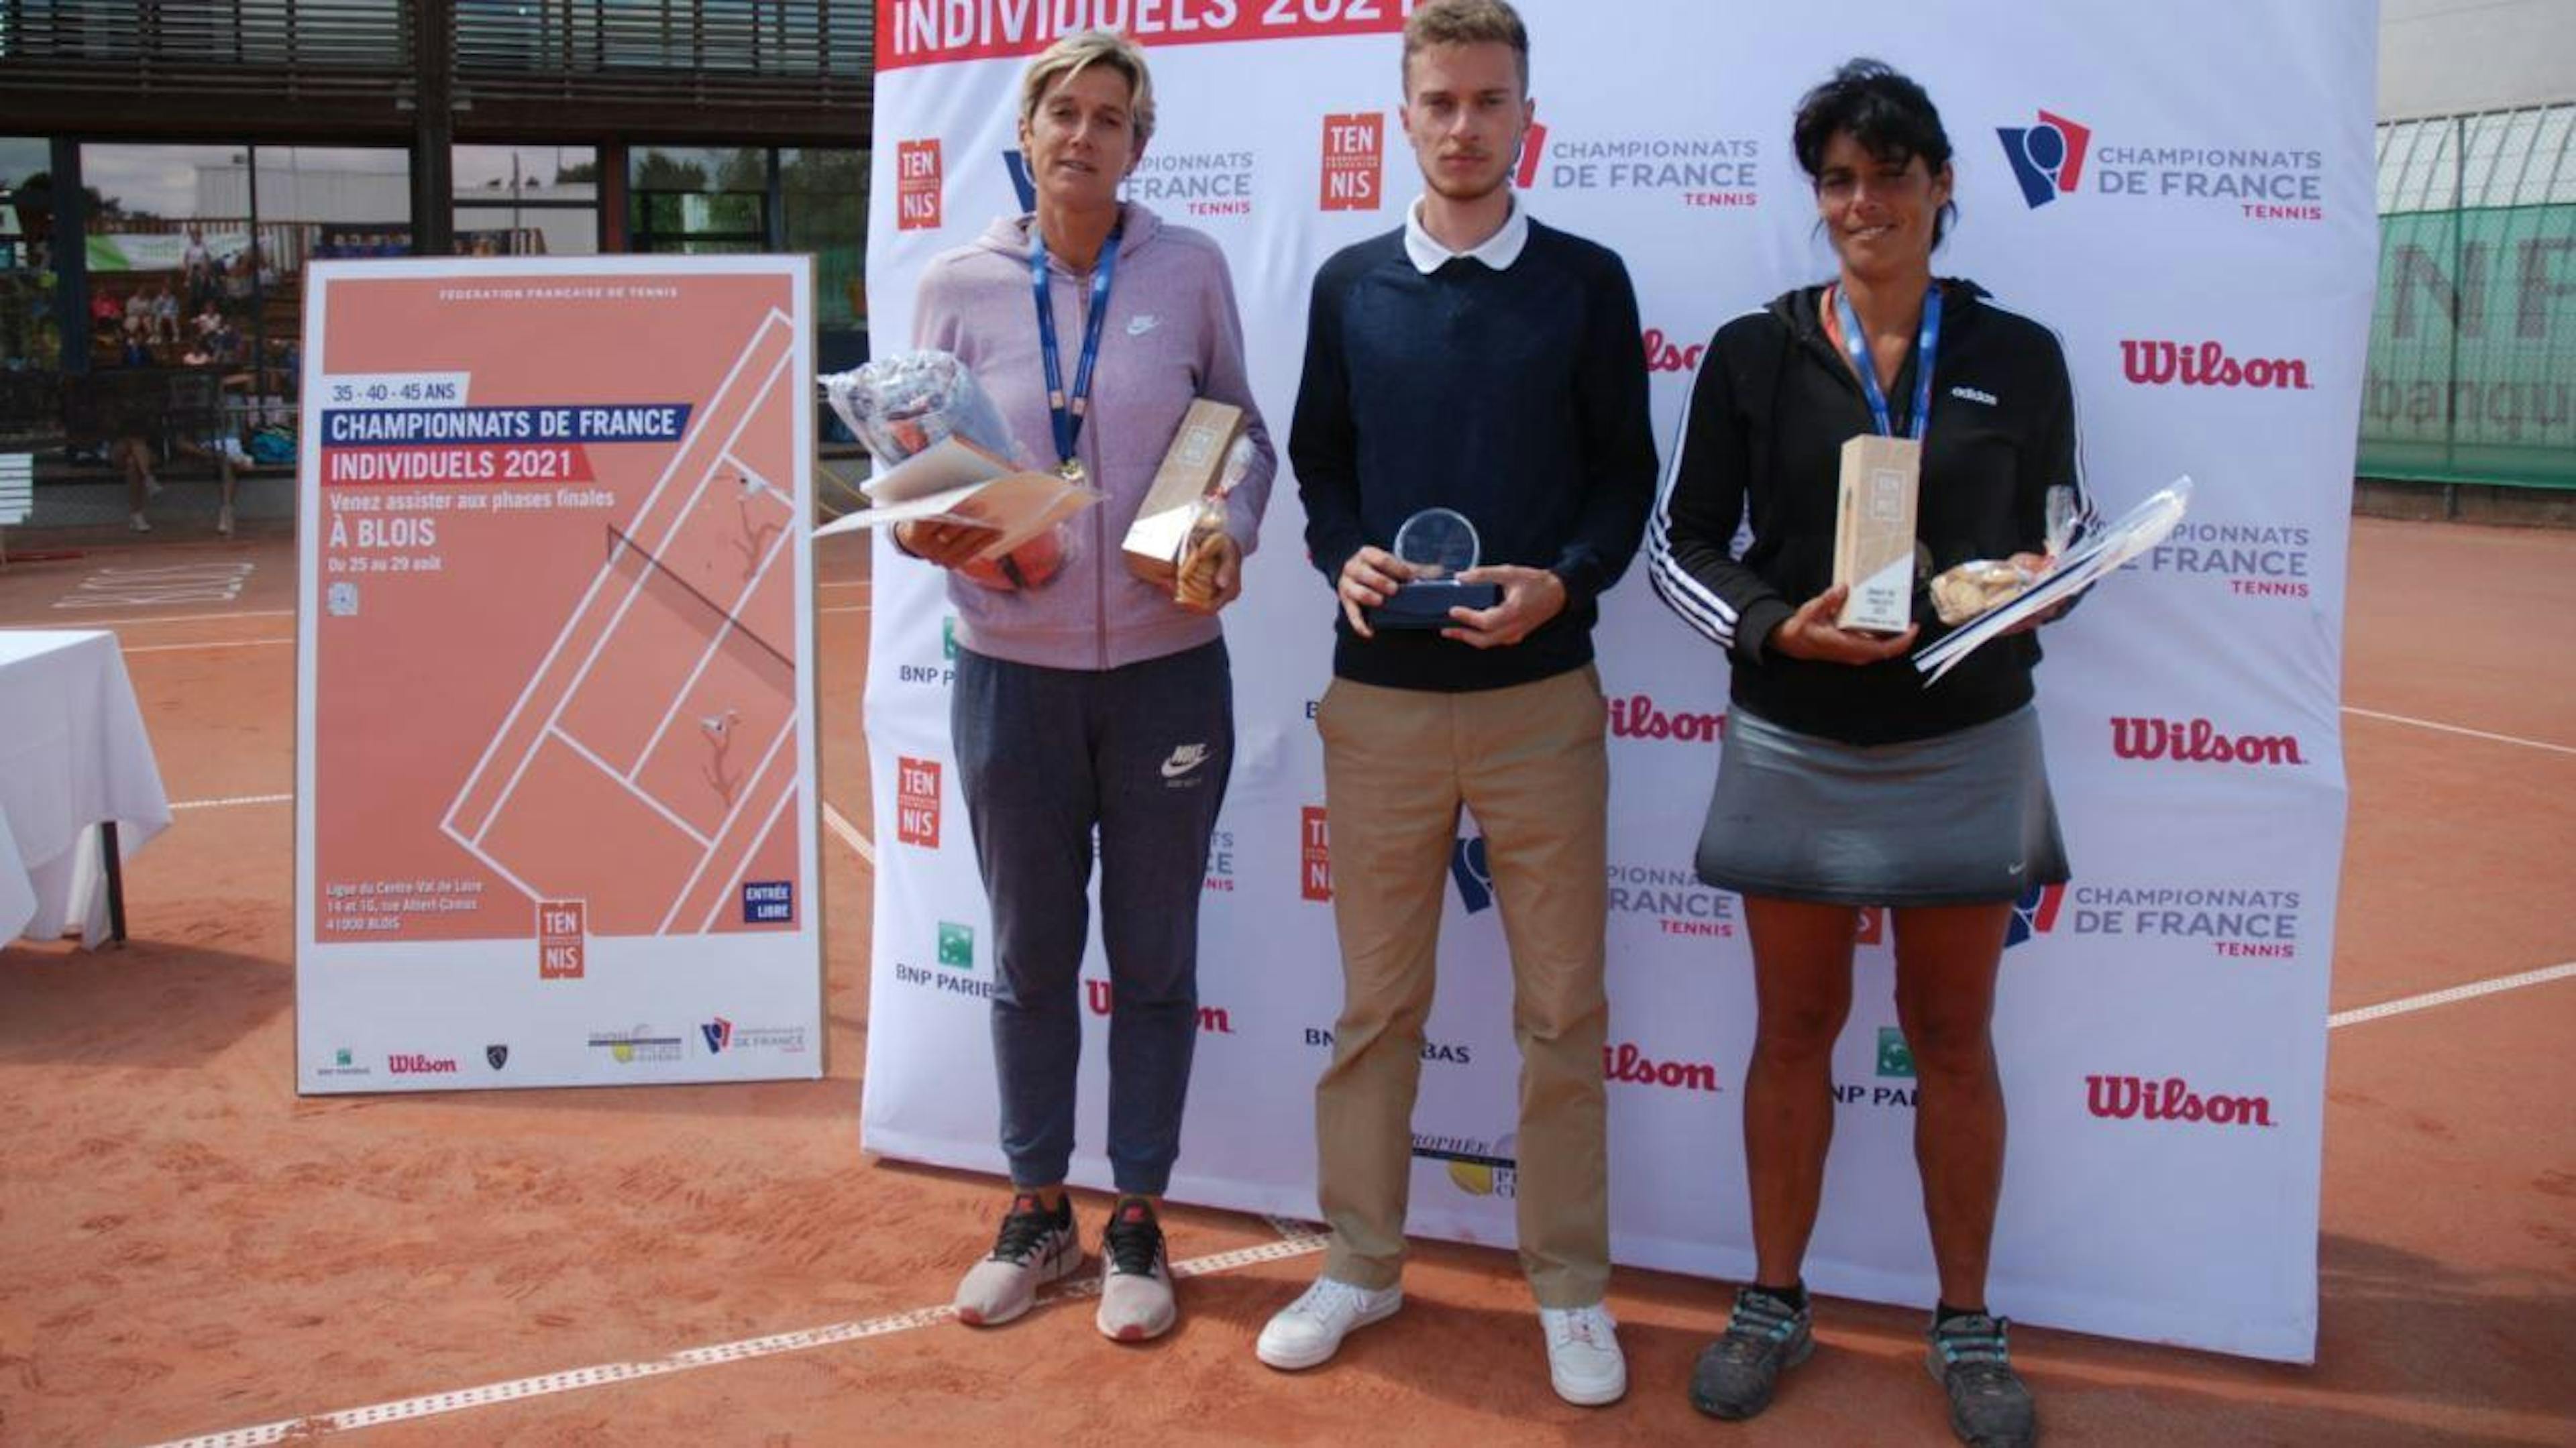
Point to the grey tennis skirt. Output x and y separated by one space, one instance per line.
1961 819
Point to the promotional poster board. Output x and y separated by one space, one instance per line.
2184 194
555 802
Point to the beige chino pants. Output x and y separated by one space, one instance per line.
1530 762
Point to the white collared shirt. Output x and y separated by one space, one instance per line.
1497 251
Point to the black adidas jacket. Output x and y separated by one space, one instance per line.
1761 449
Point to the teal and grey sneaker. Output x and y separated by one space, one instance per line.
1989 1407
1765 1337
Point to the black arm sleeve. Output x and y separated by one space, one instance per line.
1618 440
1690 544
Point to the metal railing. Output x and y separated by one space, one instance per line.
2472 373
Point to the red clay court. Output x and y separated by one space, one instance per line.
190 1252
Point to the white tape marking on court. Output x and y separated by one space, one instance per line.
1297 1239
218 644
850 583
170 618
845 608
233 800
433 1404
850 836
2471 991
2456 729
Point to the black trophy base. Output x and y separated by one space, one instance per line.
1426 605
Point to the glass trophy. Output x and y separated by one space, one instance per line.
1439 545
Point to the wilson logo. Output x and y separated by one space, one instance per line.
2206 364
1624 1062
2197 741
407 1064
1098 995
2132 1098
1665 355
1637 717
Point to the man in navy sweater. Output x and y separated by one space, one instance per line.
1476 361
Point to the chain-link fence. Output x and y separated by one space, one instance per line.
2473 348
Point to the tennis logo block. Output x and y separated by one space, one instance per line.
956 945
917 172
1354 159
559 939
916 817
1314 855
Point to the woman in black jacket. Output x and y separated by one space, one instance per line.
1846 782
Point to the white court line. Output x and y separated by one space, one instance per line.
742 867
218 644
650 800
172 618
853 583
744 1350
786 732
2456 729
850 836
2430 999
233 800
845 608
598 583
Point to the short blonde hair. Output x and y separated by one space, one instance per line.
1465 22
1068 57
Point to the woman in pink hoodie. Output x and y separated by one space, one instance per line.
1091 700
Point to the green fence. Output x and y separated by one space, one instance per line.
2472 373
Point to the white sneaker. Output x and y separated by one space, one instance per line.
1035 1247
137 522
1584 1364
224 520
1307 1332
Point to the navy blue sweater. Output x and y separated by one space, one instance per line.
1516 397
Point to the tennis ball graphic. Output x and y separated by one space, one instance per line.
1478 1180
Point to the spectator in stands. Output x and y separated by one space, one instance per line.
165 314
199 264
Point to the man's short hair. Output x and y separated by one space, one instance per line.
1083 48
1466 22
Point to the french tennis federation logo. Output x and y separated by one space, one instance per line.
1023 184
2035 913
1475 877
2048 158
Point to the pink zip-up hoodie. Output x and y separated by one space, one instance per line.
1172 335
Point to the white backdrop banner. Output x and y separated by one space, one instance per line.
2184 193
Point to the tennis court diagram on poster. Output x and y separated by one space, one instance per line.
556 804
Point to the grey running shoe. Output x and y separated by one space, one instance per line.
1135 1275
1989 1407
1765 1337
1035 1247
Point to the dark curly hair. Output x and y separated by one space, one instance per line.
1885 111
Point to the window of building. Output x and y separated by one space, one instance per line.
698 201
527 200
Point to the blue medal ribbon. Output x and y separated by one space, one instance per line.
1068 411
1856 345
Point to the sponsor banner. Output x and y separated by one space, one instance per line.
554 765
2221 173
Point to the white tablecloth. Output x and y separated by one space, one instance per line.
72 754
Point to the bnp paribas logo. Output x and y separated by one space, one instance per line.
1895 1058
956 945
